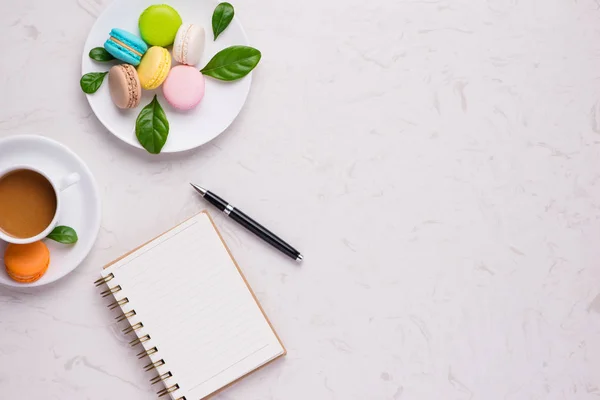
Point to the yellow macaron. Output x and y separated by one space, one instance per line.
26 263
154 67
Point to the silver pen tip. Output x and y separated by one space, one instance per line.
200 190
300 257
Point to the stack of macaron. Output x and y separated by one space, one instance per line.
160 26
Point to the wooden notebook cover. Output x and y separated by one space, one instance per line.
245 281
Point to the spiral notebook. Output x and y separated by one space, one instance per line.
192 311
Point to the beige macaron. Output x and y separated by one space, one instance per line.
124 85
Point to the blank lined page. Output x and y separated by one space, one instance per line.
197 309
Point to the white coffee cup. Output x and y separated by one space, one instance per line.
59 185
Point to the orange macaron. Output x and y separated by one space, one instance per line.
26 263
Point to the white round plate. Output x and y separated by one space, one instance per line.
80 203
222 101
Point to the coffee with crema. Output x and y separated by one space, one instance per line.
27 203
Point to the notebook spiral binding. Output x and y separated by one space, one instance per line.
169 388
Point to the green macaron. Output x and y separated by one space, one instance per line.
159 24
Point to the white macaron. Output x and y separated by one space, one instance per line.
189 44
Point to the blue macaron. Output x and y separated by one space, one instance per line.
125 46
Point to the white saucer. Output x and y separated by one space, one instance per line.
222 102
80 204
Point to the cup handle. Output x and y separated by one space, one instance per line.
68 181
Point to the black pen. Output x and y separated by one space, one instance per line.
248 223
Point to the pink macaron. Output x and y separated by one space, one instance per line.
184 87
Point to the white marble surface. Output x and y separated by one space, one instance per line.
436 161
